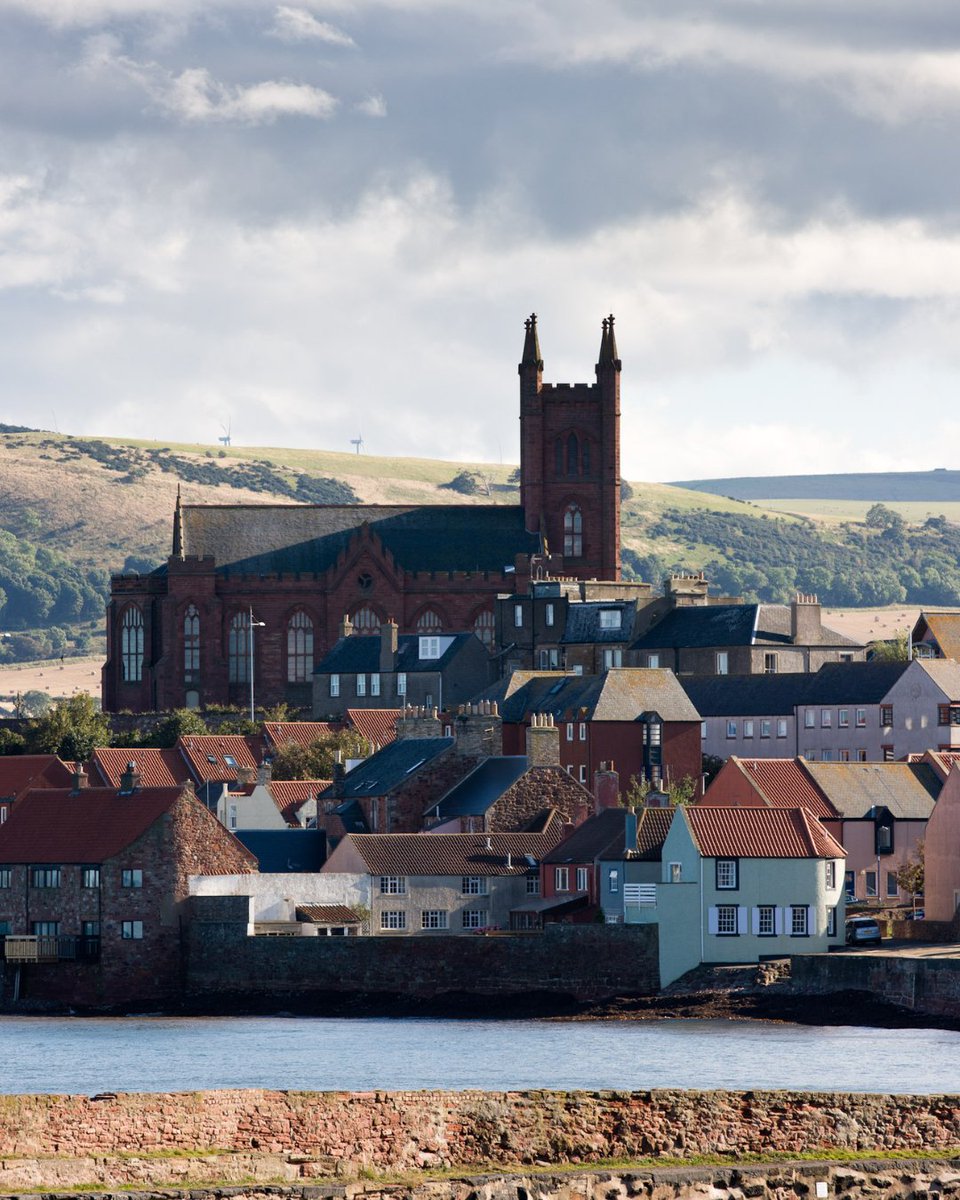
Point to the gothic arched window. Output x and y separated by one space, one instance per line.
429 622
365 620
573 532
131 645
484 626
238 648
573 455
299 648
191 643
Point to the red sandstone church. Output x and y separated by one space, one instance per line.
180 636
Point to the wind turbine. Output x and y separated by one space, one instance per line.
225 440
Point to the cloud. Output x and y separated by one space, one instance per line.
297 25
372 106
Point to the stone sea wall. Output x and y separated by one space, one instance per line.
930 986
340 1133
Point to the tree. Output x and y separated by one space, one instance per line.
895 649
33 703
176 724
296 761
681 791
72 729
910 875
880 517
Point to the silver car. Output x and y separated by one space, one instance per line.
861 931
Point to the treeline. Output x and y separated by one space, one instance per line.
763 558
39 587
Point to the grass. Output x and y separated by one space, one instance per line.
836 512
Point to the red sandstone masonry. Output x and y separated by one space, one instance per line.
400 1130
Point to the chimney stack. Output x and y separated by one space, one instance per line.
264 772
80 780
478 729
606 788
389 641
418 721
805 623
543 741
339 774
129 780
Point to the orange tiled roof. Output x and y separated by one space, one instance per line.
20 772
328 914
157 768
207 755
289 794
303 733
377 725
784 783
737 832
945 628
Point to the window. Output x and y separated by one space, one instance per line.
474 885
549 659
884 839
861 718
374 685
582 883
849 884
612 658
893 888
401 683
45 928
90 877
769 664
569 731
573 532
583 773
484 626
826 718
429 622
870 882
299 648
843 755
748 729
831 922
90 929
731 729
131 645
764 729
727 920
518 616
727 873
561 879
430 647
393 885
361 685
365 620
474 918
809 718
845 656
723 662
653 660
798 920
548 614
886 715
703 730
830 873
6 877
433 918
238 648
781 727
334 685
861 756
231 816
826 755
191 643
810 755
131 877
766 921
843 718
583 731
533 885
393 920
887 753
45 877
610 618
613 879
131 930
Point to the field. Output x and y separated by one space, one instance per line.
56 679
836 512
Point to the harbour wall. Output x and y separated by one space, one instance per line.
926 986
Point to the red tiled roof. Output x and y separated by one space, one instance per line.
449 853
328 914
738 832
18 772
157 768
303 733
199 749
377 725
784 783
289 794
58 826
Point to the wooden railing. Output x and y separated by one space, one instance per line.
43 948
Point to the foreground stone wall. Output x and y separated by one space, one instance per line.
923 985
342 1133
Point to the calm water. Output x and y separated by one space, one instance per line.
161 1054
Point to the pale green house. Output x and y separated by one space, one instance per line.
740 884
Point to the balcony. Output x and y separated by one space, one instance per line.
640 895
50 949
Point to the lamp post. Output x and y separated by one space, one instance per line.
250 625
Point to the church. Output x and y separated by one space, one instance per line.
181 635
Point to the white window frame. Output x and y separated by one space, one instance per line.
830 874
799 920
723 662
843 718
401 683
826 718
473 885
727 915
518 616
809 718
548 614
583 879
861 718
429 647
393 885
732 729
474 918
361 685
374 685
765 728
611 618
533 885
131 877
393 918
561 879
766 916
613 880
434 918
131 931
334 685
748 728
727 874
781 727
676 872
569 731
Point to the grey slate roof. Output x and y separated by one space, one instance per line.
908 790
853 683
728 625
600 836
389 767
260 539
361 655
746 695
485 784
622 694
583 622
282 850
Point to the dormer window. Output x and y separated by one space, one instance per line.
430 647
609 618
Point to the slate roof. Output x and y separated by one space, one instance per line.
760 833
207 755
301 733
262 539
728 625
779 783
600 836
282 851
482 788
746 695
361 655
18 772
377 725
389 767
583 621
56 826
290 794
351 817
653 825
328 914
621 694
853 683
450 853
908 790
945 627
157 768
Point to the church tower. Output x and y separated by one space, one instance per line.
570 459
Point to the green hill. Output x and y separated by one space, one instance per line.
938 487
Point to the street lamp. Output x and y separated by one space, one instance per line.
250 625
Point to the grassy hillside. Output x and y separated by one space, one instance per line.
939 486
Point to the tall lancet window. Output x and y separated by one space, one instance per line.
131 645
573 532
299 648
191 644
238 648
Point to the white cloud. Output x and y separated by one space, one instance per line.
298 25
372 106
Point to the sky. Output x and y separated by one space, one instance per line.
310 221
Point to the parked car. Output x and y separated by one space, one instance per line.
862 931
917 915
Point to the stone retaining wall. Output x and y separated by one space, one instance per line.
923 985
343 1133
